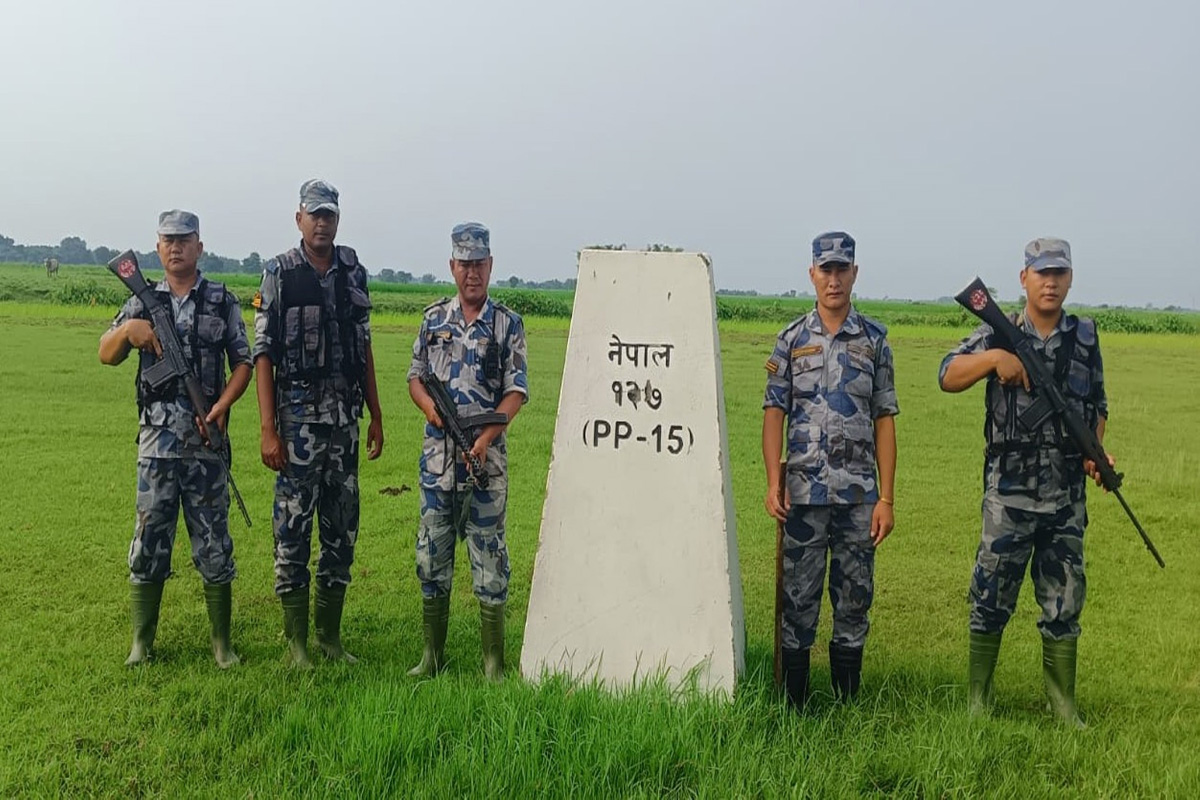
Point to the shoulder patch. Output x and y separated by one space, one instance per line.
772 366
257 301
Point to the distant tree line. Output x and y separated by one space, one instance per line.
74 250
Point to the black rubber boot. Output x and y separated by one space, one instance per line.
795 677
845 670
328 615
219 599
295 626
1058 669
491 619
435 613
985 650
144 601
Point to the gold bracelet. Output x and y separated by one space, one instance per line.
887 500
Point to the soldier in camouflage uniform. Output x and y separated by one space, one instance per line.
476 347
830 379
315 370
175 467
1034 480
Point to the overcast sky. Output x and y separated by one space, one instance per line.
942 135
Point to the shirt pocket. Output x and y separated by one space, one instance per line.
804 448
807 371
859 373
210 330
860 446
439 350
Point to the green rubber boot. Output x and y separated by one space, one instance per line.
985 649
144 601
295 626
329 622
435 613
219 599
1058 669
491 618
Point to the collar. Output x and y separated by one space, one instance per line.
332 266
486 314
852 326
163 286
1065 323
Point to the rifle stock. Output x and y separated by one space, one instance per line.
1049 399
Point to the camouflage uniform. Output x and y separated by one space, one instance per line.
832 388
457 353
315 330
1034 485
174 466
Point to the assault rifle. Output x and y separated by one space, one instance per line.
1048 398
463 431
173 365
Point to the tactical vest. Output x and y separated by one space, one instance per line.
203 344
315 343
1074 363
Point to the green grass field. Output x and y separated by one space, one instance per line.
74 721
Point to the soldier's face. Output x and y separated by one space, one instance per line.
472 278
318 229
833 282
180 254
1046 291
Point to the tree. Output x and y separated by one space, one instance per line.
252 263
103 254
663 248
404 277
513 282
428 278
73 250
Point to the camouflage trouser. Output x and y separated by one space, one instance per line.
845 532
198 484
322 477
484 532
1010 536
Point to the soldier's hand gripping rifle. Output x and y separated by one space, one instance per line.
463 431
173 365
1048 397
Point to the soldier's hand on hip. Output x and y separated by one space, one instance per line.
883 519
140 334
374 438
274 456
1009 370
777 507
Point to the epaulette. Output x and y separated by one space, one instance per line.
347 256
291 259
513 316
797 322
435 304
271 266
876 328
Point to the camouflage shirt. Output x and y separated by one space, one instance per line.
1039 470
457 354
168 428
832 388
329 400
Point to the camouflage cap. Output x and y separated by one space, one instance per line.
833 246
178 223
1048 254
470 241
318 195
